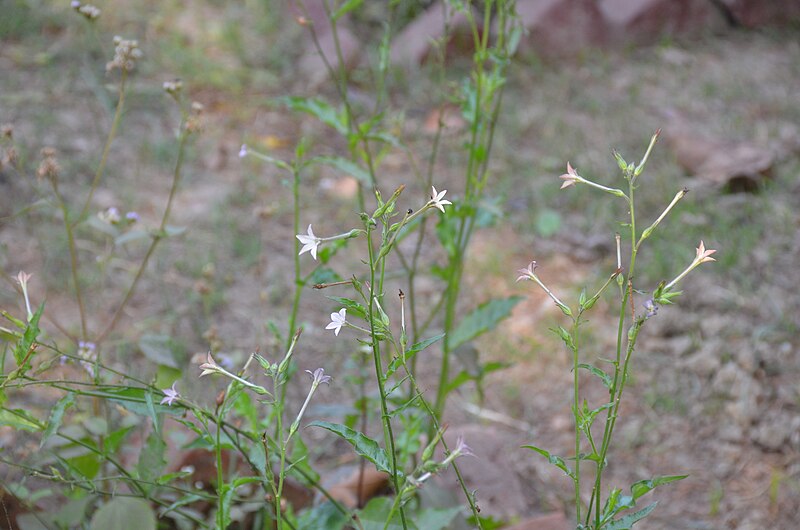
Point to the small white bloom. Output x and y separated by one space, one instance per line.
310 242
243 151
437 199
337 321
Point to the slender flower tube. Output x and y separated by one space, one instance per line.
23 278
701 256
530 274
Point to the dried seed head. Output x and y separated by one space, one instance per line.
126 53
174 87
48 167
195 121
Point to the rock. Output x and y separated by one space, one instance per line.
414 43
550 521
775 430
646 21
557 28
718 163
706 361
492 471
312 65
755 13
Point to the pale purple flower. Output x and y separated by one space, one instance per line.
337 321
132 217
318 376
310 242
170 395
651 308
437 199
462 449
243 151
527 273
75 4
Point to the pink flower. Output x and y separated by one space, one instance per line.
703 255
571 177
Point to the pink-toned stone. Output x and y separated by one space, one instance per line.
755 13
645 21
550 521
312 66
560 27
413 44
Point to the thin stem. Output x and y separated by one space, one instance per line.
104 158
376 356
73 255
158 236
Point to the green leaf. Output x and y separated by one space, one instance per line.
625 523
324 275
397 362
484 318
373 516
121 512
437 518
130 236
547 223
345 8
645 486
28 338
352 306
325 515
565 336
19 419
172 231
346 166
56 416
151 459
160 349
320 109
553 459
364 446
607 381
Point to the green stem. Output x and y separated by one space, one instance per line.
376 356
104 157
158 236
73 255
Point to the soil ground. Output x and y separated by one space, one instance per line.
715 390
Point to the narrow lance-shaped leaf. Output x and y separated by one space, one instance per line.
484 318
56 416
625 523
28 338
364 445
397 362
553 459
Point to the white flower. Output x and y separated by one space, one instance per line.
437 199
243 151
337 321
171 394
310 242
